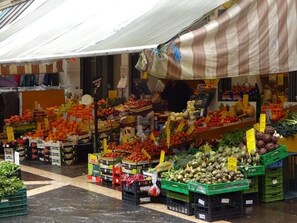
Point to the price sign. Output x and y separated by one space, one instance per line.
272 77
257 126
144 152
262 122
245 101
280 79
207 119
180 126
162 156
250 140
168 137
232 164
124 138
46 124
10 133
38 126
144 75
105 145
152 136
224 114
191 129
232 111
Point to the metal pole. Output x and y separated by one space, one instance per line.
96 149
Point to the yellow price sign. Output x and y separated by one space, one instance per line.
280 79
162 156
144 152
112 94
38 126
10 133
245 101
257 126
144 76
262 122
152 136
105 145
232 111
224 114
191 129
180 126
207 119
46 124
250 140
168 137
124 138
232 164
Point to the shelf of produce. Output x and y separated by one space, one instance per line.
219 131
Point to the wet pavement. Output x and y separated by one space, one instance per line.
63 194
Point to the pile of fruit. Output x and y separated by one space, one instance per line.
266 141
27 116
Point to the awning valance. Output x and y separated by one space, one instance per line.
59 29
13 69
251 38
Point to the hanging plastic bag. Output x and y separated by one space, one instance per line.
154 191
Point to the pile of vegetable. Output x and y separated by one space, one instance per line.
8 169
266 141
10 186
211 167
287 127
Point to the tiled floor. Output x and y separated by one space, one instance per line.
63 194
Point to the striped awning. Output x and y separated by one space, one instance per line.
13 69
251 38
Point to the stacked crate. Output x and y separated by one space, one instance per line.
14 205
179 199
218 207
271 185
134 168
106 166
251 196
137 192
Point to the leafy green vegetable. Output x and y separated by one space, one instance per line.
8 168
233 138
288 126
10 186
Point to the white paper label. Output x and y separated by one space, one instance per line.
225 201
202 216
17 158
274 182
250 181
4 200
249 202
145 199
202 202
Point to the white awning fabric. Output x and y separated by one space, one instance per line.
253 37
58 29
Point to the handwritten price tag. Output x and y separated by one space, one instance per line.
10 133
262 122
152 136
191 129
46 124
180 126
168 137
250 140
105 145
232 164
162 156
257 126
245 100
124 138
146 154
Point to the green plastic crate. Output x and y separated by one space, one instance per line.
272 180
220 188
253 185
274 156
268 189
181 197
14 205
269 197
275 172
250 171
174 186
